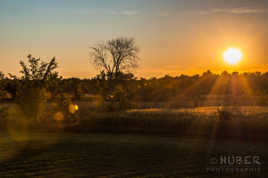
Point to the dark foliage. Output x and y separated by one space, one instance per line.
180 91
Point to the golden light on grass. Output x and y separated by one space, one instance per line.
232 56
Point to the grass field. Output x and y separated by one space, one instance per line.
209 110
114 155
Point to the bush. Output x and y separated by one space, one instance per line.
3 117
32 102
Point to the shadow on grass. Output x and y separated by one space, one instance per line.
93 155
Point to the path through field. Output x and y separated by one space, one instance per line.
96 155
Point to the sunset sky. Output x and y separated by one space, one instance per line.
174 36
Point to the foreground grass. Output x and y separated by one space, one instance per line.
229 123
114 155
244 123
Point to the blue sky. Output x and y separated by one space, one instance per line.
174 36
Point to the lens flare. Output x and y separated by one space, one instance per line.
73 108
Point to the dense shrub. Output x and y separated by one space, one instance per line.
3 117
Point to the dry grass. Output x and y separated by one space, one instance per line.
208 110
246 123
166 143
109 155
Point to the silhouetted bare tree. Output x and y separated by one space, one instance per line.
115 56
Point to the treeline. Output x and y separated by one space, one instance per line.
161 89
117 88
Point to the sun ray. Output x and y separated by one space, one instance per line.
218 87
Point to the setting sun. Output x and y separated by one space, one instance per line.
232 56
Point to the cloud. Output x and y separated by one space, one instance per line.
112 13
248 11
124 13
238 11
130 13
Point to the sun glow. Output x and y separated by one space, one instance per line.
232 56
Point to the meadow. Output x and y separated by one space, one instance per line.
228 122
116 155
132 143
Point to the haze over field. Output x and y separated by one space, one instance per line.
175 36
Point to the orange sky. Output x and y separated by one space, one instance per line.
174 36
